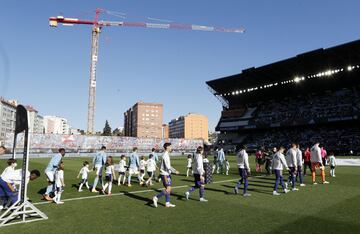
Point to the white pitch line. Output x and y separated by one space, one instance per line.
223 181
133 192
114 194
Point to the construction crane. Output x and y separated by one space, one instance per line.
96 29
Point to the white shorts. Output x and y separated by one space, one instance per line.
133 171
50 175
98 170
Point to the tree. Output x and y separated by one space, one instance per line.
107 129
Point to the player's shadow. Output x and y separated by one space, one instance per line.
42 191
264 178
180 196
256 190
187 180
228 186
148 201
263 181
252 183
218 190
75 186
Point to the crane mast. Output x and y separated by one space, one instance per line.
92 81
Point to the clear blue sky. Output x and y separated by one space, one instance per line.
49 68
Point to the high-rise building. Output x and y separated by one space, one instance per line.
56 125
190 126
7 117
36 121
144 120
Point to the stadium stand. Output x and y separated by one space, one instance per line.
313 96
45 143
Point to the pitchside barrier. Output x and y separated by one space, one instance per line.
22 211
348 162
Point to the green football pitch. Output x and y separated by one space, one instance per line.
332 208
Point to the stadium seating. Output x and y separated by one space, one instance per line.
326 107
329 117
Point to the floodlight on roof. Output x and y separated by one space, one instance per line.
297 79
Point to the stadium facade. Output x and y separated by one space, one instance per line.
314 96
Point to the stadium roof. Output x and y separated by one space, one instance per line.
313 64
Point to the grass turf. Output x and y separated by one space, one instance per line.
332 208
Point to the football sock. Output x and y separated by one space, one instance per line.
246 184
167 197
201 191
161 194
96 182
